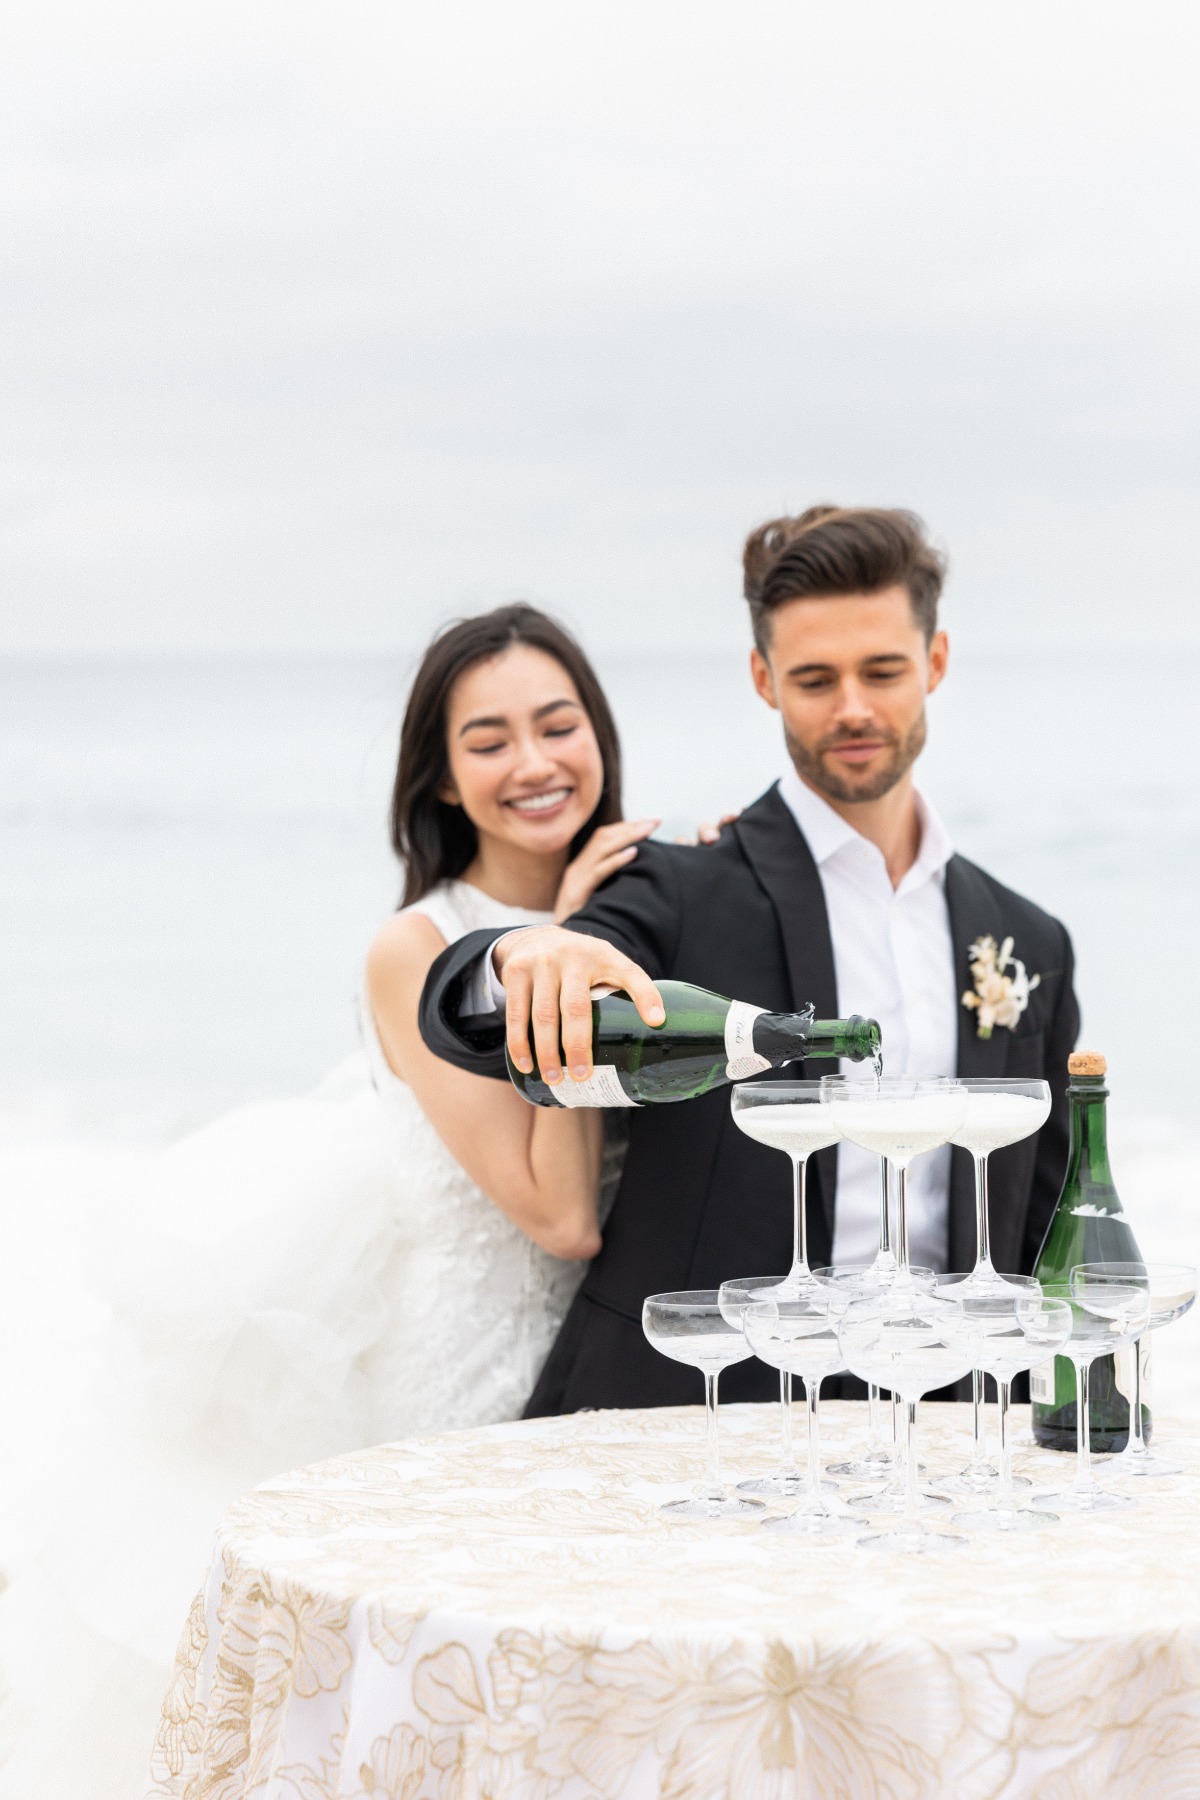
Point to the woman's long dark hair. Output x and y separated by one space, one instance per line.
434 840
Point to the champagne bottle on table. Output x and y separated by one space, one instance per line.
704 1042
1088 1225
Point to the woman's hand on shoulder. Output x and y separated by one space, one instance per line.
608 849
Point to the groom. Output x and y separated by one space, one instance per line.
838 886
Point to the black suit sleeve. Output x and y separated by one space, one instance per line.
1061 1034
476 1045
638 911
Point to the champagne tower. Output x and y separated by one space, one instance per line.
1088 1225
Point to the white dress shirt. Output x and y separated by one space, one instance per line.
893 959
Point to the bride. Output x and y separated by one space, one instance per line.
506 810
390 1254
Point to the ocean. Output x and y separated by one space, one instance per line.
193 856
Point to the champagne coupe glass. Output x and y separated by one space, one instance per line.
905 1341
980 1479
799 1336
688 1327
733 1297
1172 1290
1105 1314
865 1281
899 1117
999 1113
1005 1333
788 1116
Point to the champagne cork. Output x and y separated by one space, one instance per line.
1087 1062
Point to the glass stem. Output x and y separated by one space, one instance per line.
885 1216
874 1441
983 1252
1083 1429
799 1216
714 1447
812 1390
902 1214
785 1416
1007 1503
910 1462
1137 1441
979 1454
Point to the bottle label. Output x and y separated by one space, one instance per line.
602 1088
743 1058
1041 1385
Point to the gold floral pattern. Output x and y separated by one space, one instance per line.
505 1614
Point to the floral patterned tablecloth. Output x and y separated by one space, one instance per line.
506 1613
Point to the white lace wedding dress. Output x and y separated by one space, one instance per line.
298 1279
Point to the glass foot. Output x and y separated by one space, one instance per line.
913 1540
874 1465
817 1525
896 1502
978 1484
1148 1464
781 1486
1082 1500
1001 1519
713 1506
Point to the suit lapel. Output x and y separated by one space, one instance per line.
778 852
972 909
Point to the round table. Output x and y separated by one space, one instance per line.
506 1612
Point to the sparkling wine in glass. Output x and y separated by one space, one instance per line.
899 1117
799 1337
1005 1333
788 1116
1172 1291
905 1342
1106 1314
689 1328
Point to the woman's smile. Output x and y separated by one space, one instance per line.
542 805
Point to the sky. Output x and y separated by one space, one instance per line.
320 324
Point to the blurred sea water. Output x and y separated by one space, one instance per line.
193 855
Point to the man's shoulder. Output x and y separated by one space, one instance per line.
693 865
1016 914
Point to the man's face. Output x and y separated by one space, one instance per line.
850 675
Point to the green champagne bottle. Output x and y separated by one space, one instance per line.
704 1042
1088 1225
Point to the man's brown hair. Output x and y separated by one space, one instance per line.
840 550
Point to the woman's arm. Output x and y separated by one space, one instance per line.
541 1167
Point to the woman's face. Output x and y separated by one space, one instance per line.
524 762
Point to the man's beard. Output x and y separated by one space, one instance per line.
816 771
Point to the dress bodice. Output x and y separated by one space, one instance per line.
479 1303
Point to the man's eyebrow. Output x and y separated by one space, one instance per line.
497 721
818 668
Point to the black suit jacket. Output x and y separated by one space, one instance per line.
699 1201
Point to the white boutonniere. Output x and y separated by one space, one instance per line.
999 998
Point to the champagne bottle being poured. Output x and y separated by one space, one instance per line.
705 1042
